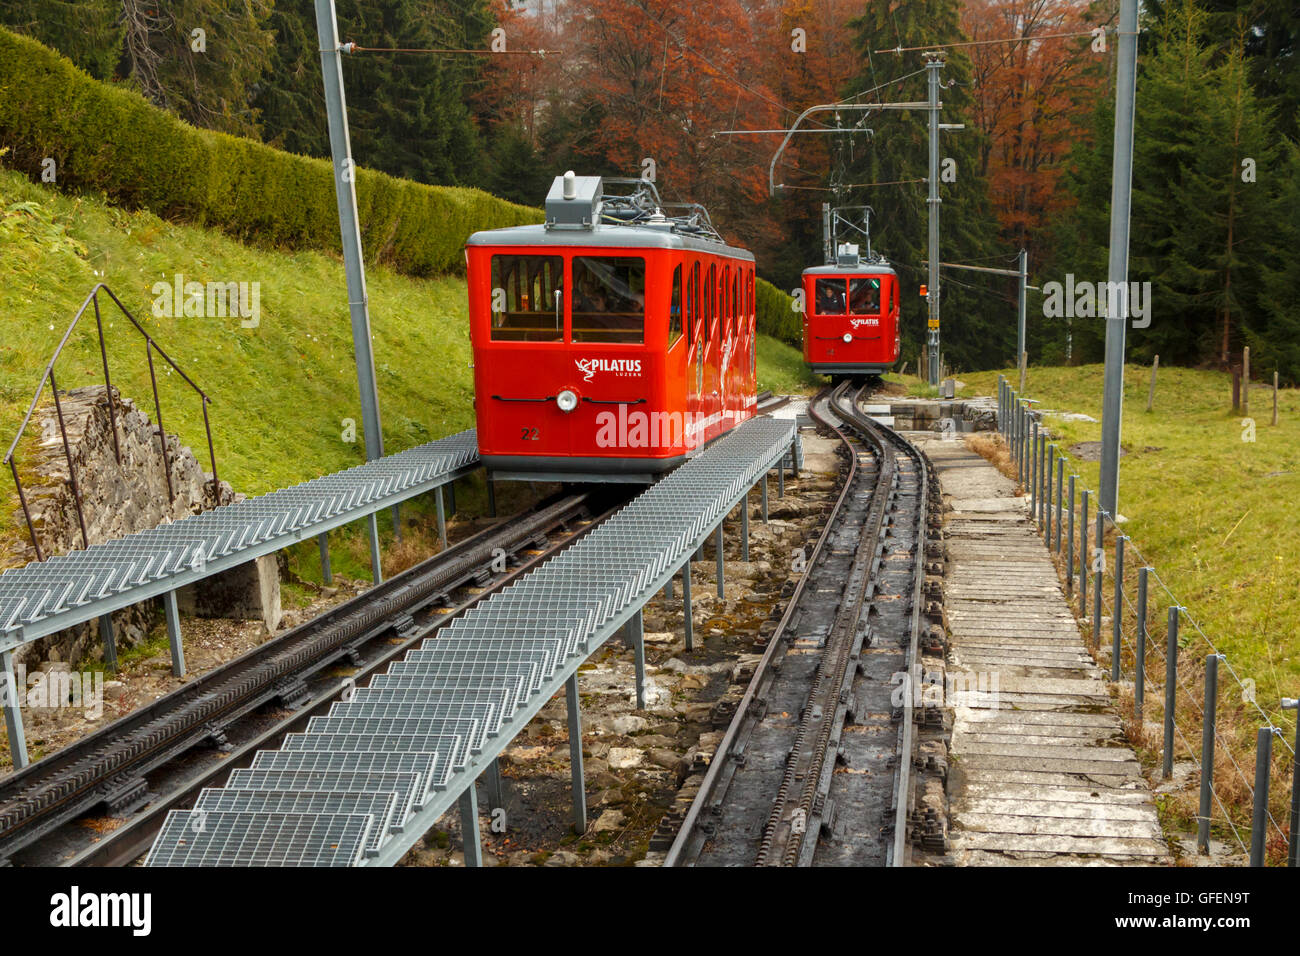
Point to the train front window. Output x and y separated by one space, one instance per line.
527 299
864 296
829 294
609 299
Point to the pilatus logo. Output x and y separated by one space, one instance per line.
858 323
589 367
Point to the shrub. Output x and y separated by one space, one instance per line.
110 140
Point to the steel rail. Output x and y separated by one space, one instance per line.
901 848
688 840
711 786
49 793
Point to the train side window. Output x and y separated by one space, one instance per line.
710 304
829 294
675 309
692 302
524 305
864 296
609 299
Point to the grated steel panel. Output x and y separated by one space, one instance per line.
260 839
488 672
48 596
379 805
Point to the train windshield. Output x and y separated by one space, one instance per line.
527 299
864 296
830 296
609 299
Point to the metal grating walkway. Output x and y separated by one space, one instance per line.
453 704
69 589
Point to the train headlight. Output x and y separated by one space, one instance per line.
567 400
848 336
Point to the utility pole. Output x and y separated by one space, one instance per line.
1023 314
1121 191
345 191
828 243
933 64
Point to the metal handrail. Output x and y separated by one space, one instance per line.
48 376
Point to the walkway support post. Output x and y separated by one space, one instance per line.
11 697
469 827
173 615
575 755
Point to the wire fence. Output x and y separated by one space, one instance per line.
1117 588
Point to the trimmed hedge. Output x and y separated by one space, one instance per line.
776 316
109 140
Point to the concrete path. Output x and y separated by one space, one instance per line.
1039 773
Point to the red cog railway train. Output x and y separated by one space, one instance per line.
612 342
851 309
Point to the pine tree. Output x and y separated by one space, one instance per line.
979 318
1202 232
88 32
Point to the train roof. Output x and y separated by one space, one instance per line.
620 237
863 268
581 212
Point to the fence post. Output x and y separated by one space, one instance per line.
1060 499
1171 691
1140 677
1099 565
1047 497
1069 547
1293 855
1083 555
1117 620
1207 752
1259 816
1033 471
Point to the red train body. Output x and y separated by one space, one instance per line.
610 343
851 311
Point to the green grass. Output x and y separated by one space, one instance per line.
781 368
1214 514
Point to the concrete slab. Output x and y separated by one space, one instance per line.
1039 773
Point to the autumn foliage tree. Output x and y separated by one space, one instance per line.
1033 99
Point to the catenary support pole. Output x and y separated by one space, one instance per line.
933 64
1121 191
345 192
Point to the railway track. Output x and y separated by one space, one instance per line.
159 755
817 766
